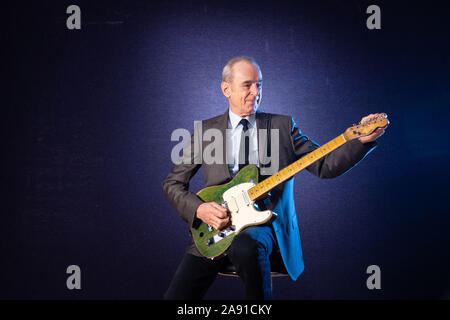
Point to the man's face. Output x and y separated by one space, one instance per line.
244 93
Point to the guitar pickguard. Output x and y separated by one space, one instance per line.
243 212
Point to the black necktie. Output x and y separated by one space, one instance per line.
246 145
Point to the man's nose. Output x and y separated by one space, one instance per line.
254 89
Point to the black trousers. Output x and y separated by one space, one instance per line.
249 252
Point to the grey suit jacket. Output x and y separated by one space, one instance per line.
292 146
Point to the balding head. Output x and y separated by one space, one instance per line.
227 72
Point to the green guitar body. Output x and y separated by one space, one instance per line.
201 233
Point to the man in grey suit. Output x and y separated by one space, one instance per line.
253 249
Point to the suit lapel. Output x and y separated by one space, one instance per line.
222 125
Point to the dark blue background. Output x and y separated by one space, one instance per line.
88 116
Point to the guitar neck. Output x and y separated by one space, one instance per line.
281 176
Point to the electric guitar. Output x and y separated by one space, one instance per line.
240 194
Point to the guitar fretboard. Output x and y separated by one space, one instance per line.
281 176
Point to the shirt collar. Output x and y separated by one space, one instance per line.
235 119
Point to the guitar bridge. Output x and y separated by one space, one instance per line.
221 235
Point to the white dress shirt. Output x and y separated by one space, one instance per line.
234 138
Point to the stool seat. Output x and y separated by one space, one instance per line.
229 270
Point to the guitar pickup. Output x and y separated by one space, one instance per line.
232 205
245 196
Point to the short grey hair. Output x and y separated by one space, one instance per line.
227 74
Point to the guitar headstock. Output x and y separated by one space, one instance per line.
366 128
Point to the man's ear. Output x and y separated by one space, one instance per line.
226 89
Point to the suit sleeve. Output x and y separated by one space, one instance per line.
176 184
336 162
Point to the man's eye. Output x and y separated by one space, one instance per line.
257 84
